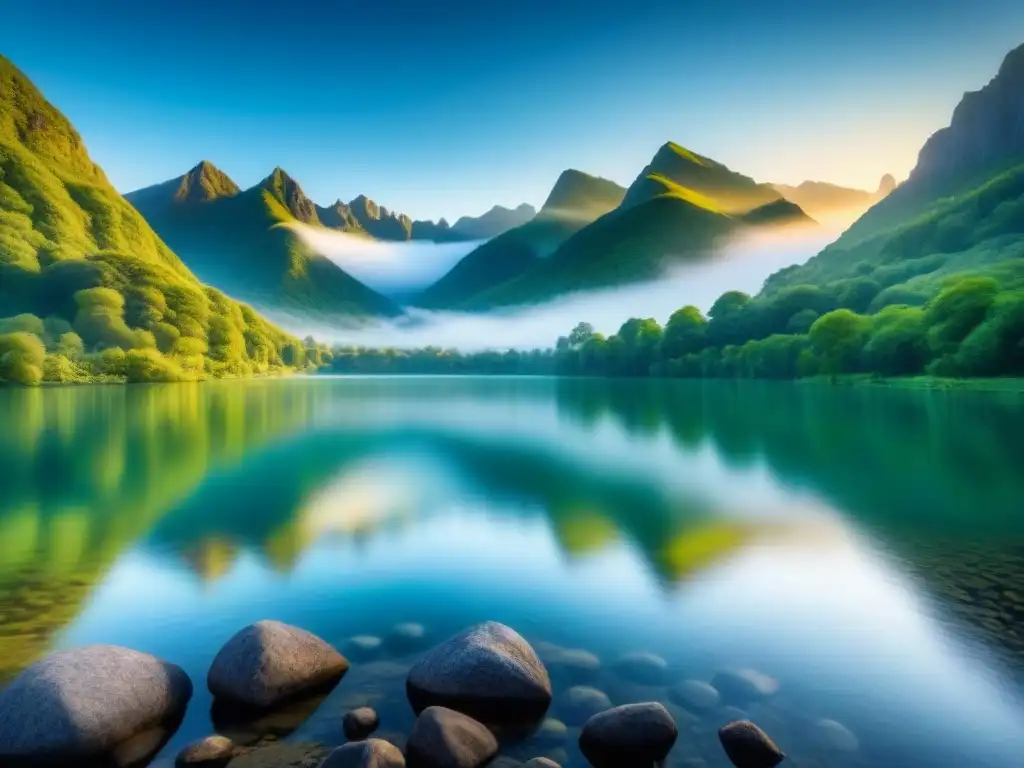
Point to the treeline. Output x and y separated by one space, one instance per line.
432 360
971 328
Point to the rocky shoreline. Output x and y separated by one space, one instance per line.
483 697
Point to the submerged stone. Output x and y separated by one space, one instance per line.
629 736
444 738
747 746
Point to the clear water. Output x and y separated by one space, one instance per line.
861 546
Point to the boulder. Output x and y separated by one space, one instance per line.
629 736
541 762
406 638
360 723
581 702
211 752
268 663
694 695
488 672
744 686
835 736
642 668
572 663
372 753
444 738
85 703
747 746
363 647
552 730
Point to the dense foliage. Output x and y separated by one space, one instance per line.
87 290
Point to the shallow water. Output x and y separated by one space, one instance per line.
863 547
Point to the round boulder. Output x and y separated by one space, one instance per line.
747 746
488 672
642 668
363 647
406 637
84 703
211 752
581 702
268 663
360 723
372 753
552 730
628 736
574 664
694 695
444 738
836 736
744 686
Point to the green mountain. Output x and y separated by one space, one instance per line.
82 272
819 199
960 213
242 243
576 200
682 207
493 223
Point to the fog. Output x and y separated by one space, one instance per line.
391 268
742 265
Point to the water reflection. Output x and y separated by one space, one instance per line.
841 540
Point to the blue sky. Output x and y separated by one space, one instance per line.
443 109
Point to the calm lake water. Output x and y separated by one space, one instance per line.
864 547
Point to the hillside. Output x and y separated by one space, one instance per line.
575 200
240 242
493 223
960 212
819 199
86 287
681 208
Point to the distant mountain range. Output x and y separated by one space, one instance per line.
819 199
591 233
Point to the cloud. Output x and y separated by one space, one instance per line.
391 268
744 265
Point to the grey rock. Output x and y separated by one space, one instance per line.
581 702
487 671
573 663
642 668
743 686
406 637
694 695
86 702
360 723
211 752
269 662
552 730
628 736
747 746
444 738
372 753
836 736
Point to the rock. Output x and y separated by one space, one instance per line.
552 730
444 738
744 686
406 638
694 695
488 672
628 736
642 668
541 762
581 702
281 756
87 702
835 735
360 723
363 647
269 662
747 746
211 752
372 753
575 664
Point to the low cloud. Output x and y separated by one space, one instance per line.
391 268
743 265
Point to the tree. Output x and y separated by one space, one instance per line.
838 339
580 334
957 310
685 334
21 358
897 343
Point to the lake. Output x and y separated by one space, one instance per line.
863 547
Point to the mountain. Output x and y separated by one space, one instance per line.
493 223
819 199
378 221
681 207
83 271
575 200
241 241
959 213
